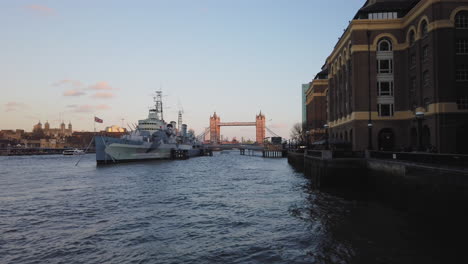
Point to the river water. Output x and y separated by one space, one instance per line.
222 209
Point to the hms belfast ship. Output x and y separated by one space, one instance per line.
153 138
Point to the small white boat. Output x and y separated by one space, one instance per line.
73 152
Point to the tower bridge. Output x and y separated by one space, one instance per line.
216 124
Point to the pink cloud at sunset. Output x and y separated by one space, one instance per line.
103 95
40 9
100 86
73 93
103 107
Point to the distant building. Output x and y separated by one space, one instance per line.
62 131
399 76
12 134
114 129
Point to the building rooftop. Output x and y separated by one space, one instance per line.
322 75
402 7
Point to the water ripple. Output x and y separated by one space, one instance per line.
222 209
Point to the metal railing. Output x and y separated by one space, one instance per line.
426 158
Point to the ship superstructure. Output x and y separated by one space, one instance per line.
152 138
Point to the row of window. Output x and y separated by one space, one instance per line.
385 109
462 103
385 66
424 56
386 15
461 20
461 46
385 88
462 73
424 31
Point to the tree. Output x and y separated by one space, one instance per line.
297 133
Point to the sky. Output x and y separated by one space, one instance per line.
73 60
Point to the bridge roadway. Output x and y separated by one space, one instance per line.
237 124
234 146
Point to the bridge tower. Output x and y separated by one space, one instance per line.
215 128
260 127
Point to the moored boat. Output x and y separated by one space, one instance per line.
73 152
153 138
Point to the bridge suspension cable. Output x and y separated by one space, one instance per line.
271 132
201 137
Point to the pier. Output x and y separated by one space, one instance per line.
268 151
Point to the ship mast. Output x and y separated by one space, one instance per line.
159 105
180 121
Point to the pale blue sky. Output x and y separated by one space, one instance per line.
233 57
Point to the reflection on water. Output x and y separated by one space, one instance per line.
222 209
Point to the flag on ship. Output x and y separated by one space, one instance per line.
97 120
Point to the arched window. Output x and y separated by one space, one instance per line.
385 45
412 37
461 19
424 29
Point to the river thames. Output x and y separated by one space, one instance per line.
222 209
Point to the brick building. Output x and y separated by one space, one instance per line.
399 73
316 106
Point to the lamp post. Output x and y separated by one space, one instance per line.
369 129
420 118
326 135
369 123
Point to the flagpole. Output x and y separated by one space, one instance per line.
90 142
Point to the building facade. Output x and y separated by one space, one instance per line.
316 104
399 75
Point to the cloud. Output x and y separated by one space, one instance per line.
89 108
74 83
103 107
103 95
72 106
40 9
15 106
73 93
101 86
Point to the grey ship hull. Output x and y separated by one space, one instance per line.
115 150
